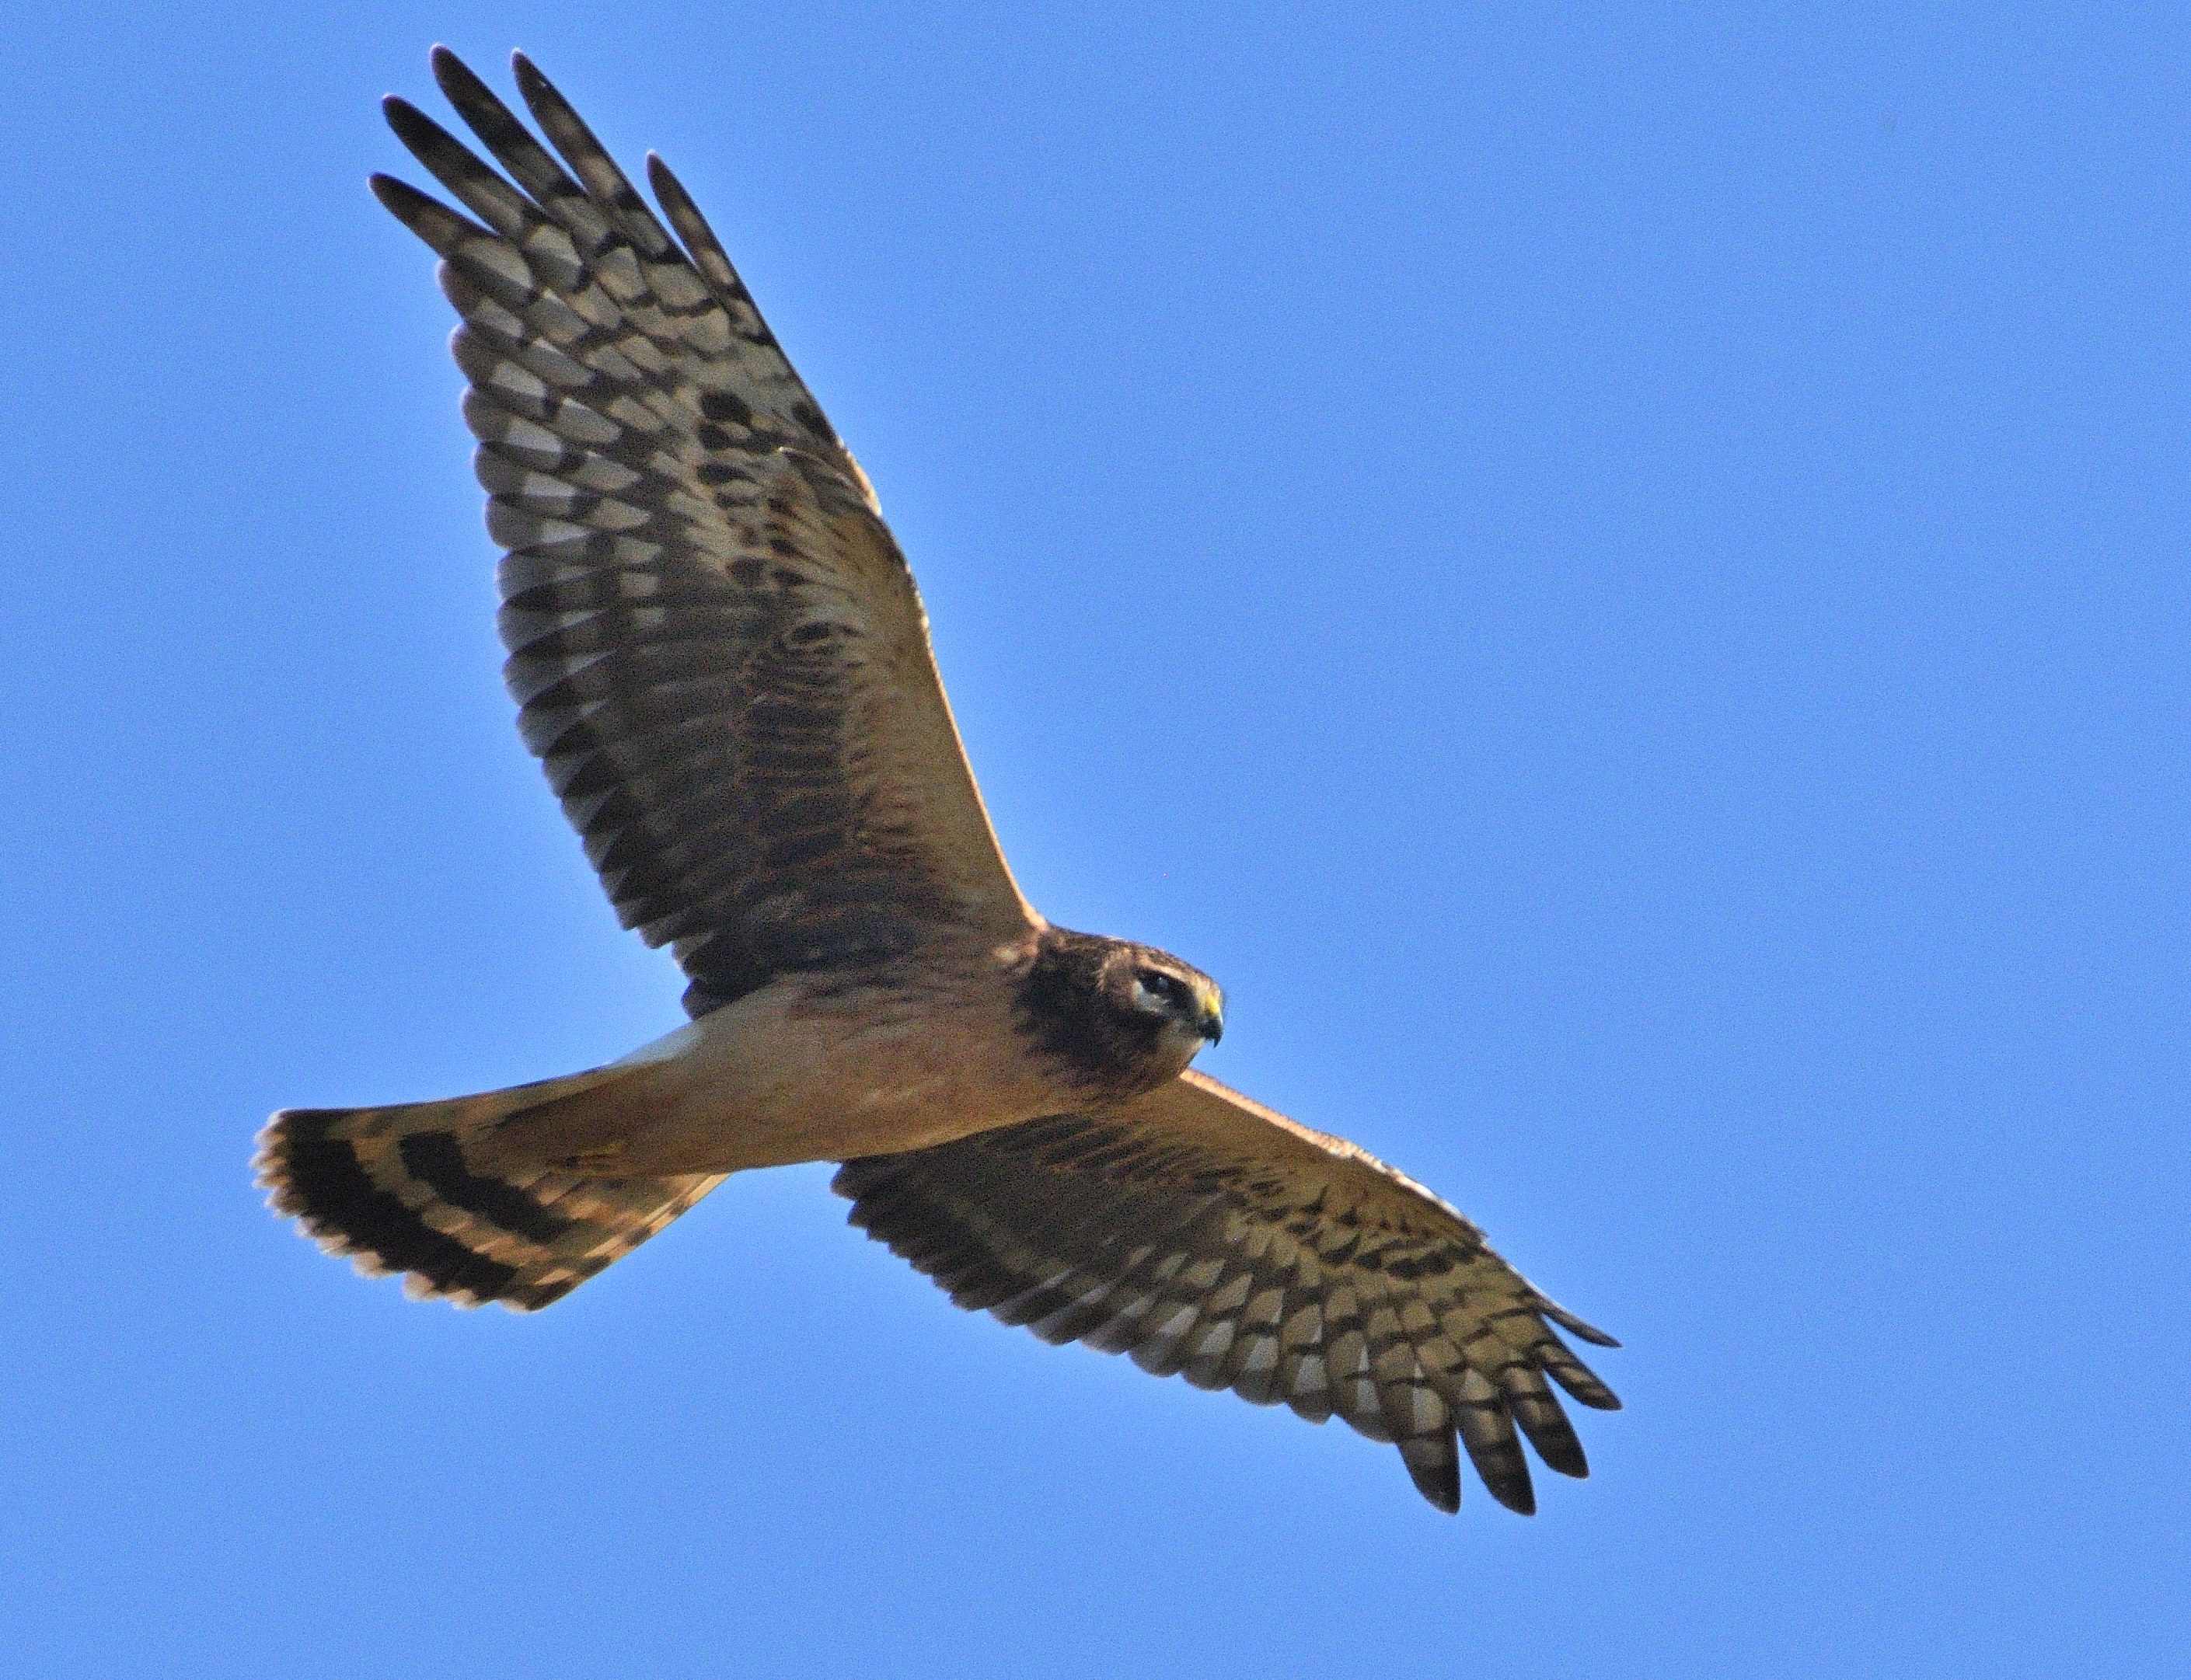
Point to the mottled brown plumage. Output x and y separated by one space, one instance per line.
720 659
1213 1238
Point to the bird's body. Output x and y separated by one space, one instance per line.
794 1073
719 657
803 1070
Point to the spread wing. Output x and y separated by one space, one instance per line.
1208 1236
717 647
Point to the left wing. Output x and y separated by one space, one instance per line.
1212 1237
716 647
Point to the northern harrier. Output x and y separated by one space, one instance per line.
719 658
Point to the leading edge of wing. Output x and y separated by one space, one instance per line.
1214 1097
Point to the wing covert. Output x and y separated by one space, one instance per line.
1213 1239
716 646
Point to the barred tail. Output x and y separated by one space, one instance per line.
394 1188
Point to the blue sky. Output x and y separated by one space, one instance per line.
1616 574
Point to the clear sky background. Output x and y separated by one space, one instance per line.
1617 575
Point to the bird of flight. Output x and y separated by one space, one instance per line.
718 656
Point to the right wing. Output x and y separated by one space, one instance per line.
1210 1236
717 647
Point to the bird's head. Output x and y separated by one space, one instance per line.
1121 1016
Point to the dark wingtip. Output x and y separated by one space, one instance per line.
669 192
530 81
399 198
411 125
453 76
1521 1500
1442 1491
1565 1456
1567 1321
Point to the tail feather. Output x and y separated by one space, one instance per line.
396 1191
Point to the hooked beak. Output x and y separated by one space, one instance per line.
1212 1023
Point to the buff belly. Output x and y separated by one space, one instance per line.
781 1076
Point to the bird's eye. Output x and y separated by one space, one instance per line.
1156 985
